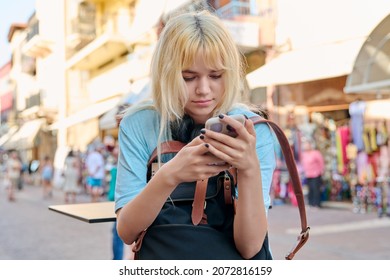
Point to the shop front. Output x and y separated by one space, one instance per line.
312 93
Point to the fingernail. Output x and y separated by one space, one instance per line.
246 117
221 116
201 137
203 131
206 145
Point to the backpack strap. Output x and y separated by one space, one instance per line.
296 182
168 147
199 204
198 215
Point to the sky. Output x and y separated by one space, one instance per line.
12 11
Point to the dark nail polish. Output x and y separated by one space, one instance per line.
246 117
201 137
230 128
203 131
221 116
206 145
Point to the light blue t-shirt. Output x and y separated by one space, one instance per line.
138 134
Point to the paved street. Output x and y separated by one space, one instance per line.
336 233
29 231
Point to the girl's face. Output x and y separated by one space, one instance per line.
205 89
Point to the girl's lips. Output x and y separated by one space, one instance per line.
203 102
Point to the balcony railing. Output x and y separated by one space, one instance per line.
234 9
33 100
33 31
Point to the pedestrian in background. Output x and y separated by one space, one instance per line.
96 171
14 168
71 175
47 173
313 167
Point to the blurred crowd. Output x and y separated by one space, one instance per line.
91 172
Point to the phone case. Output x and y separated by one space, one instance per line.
216 125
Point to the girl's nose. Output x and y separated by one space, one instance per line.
203 87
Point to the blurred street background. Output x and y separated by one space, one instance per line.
320 68
30 231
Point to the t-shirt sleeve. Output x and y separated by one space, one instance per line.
265 149
137 138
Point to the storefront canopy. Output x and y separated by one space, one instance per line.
7 136
371 70
308 64
24 138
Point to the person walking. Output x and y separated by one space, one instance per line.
96 171
14 168
313 167
47 172
196 74
71 175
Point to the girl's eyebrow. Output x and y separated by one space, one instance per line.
189 71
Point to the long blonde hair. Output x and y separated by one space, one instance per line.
182 38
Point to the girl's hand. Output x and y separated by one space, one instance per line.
239 152
194 162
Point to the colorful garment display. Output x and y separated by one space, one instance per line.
356 112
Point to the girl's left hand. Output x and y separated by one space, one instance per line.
239 152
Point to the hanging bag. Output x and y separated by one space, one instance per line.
196 222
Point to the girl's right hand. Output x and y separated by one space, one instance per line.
193 163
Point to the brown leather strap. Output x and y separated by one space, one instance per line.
233 172
296 182
227 189
198 205
168 147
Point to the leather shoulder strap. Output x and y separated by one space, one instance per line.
296 182
168 147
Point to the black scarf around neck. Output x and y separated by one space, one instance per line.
185 130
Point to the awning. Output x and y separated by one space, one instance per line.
91 112
25 136
308 64
371 71
4 138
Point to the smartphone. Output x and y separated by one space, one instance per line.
216 125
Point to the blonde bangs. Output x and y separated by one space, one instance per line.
182 40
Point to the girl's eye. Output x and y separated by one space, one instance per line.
188 79
216 77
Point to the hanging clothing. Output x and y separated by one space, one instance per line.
356 112
342 140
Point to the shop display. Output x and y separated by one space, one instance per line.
357 159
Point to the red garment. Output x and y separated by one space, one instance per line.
344 137
312 163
